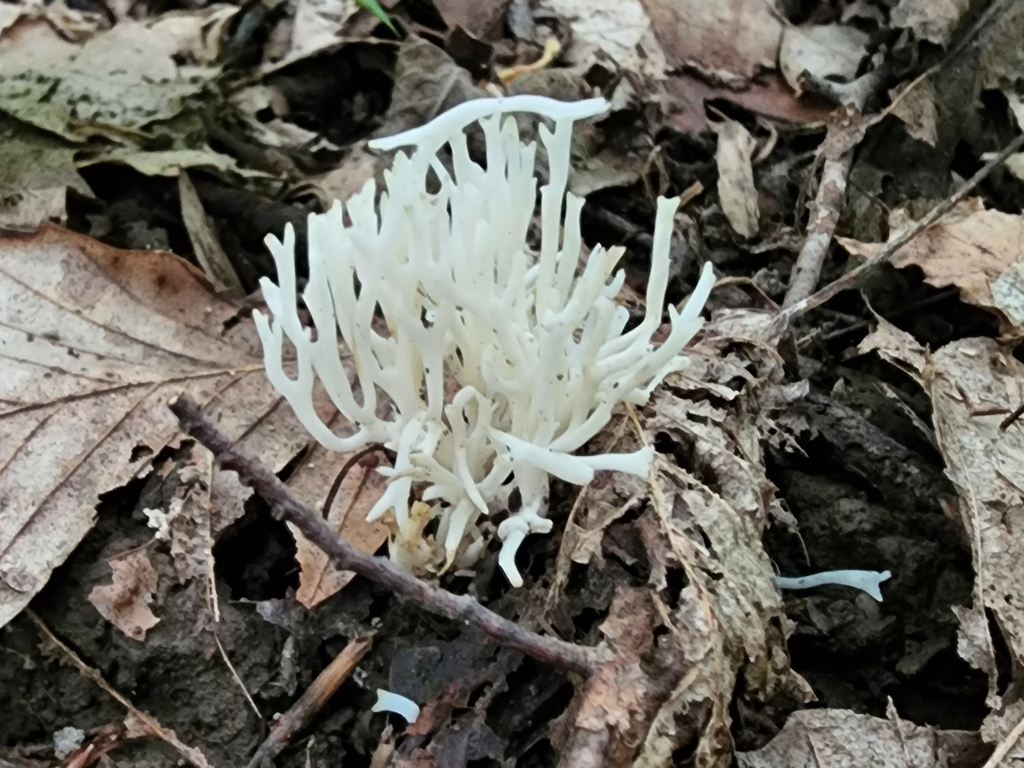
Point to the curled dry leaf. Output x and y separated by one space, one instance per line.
973 384
125 602
975 249
93 343
839 738
736 191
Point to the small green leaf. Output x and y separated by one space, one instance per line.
375 8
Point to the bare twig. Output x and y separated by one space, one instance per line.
302 711
191 754
825 212
851 278
462 608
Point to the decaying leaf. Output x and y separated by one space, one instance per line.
914 104
728 42
619 28
838 738
36 170
479 18
167 162
359 491
125 602
736 191
973 384
975 249
317 25
932 20
705 521
205 243
826 51
93 343
114 84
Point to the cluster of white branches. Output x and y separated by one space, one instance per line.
482 365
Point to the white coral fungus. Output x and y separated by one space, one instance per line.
493 364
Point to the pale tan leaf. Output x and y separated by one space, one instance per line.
838 738
205 242
728 41
36 170
168 162
125 602
317 23
914 104
736 191
932 20
619 28
94 341
114 84
826 51
976 250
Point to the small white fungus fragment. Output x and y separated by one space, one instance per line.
865 581
400 705
66 741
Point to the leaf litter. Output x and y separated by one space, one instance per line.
782 450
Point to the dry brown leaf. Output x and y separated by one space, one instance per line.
478 17
932 20
359 491
976 250
838 738
93 343
826 51
736 191
728 41
769 96
125 602
973 384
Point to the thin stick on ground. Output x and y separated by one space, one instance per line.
302 711
851 278
191 754
461 608
825 212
